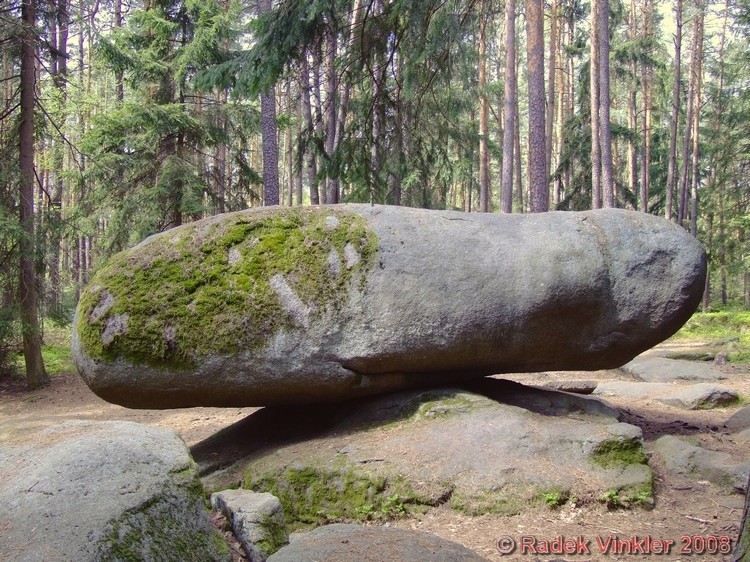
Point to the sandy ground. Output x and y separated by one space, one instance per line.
699 519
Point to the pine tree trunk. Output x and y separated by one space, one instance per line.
605 134
60 77
696 128
484 117
672 166
36 374
307 120
596 158
553 39
682 212
645 117
332 188
518 172
538 184
269 136
510 109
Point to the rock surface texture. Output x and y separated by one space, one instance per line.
345 543
285 306
257 521
114 491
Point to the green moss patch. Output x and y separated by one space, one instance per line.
223 286
505 501
171 527
312 496
621 451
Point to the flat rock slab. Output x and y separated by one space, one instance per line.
576 387
89 491
723 469
450 445
347 543
661 369
286 306
701 396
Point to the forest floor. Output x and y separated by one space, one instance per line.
686 511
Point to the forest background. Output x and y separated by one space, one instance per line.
122 118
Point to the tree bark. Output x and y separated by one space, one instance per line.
672 166
332 188
596 158
307 120
269 134
36 375
696 128
510 109
484 117
646 117
552 72
605 134
538 184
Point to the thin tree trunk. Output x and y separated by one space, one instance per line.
289 145
318 120
605 134
510 109
36 374
484 117
269 135
332 188
553 39
672 166
307 119
518 173
696 129
687 141
632 160
596 159
538 181
646 118
60 77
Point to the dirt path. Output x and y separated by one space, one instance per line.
692 513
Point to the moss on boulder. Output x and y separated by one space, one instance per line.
221 286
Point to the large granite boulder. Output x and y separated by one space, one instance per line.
283 306
114 491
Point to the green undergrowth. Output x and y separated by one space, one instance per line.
311 496
727 330
208 287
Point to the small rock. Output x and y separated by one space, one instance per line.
349 543
699 463
740 420
576 387
257 521
721 358
702 396
661 369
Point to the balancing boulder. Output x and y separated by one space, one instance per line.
283 306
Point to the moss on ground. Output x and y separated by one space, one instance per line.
506 501
208 287
312 496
